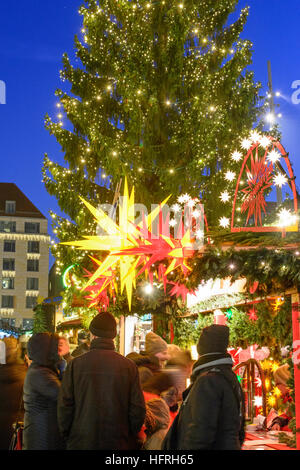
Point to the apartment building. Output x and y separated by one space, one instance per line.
24 256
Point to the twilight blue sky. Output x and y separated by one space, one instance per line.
33 36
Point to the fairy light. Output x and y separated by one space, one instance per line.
229 175
236 156
246 144
264 141
224 222
273 156
225 196
280 180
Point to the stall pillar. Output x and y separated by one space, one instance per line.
296 344
122 335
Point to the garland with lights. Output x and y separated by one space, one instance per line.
275 270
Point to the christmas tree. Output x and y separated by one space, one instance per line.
162 96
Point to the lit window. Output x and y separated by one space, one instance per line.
8 283
7 227
27 324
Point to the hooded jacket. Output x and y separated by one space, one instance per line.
41 389
101 405
213 416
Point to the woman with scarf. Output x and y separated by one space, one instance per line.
212 414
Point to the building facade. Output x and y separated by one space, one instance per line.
24 256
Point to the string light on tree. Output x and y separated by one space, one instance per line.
280 180
236 156
230 176
273 156
286 218
225 196
246 144
224 222
265 141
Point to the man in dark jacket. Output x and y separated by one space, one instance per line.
101 405
212 417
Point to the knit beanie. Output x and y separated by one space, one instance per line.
213 339
154 344
104 325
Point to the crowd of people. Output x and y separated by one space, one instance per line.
95 398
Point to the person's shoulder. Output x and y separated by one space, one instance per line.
210 377
126 361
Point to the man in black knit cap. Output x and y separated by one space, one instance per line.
212 417
101 405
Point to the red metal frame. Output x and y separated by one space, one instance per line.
281 149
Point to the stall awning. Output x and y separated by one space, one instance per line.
74 323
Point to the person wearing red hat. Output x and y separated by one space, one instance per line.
101 404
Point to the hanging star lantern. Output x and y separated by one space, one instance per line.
259 180
133 249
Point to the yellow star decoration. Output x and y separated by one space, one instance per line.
277 392
275 366
272 401
120 237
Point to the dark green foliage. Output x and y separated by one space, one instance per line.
276 270
40 320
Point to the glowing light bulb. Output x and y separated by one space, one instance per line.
236 156
270 117
224 222
246 144
229 175
280 180
273 156
148 289
225 197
